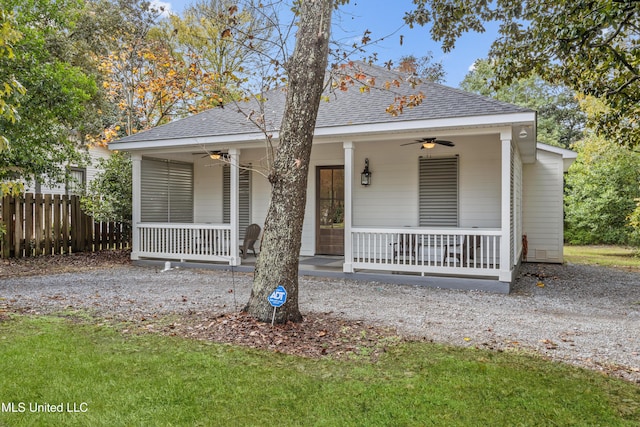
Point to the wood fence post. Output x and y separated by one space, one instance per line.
6 220
88 227
57 238
38 223
76 227
48 219
66 229
97 235
28 225
17 228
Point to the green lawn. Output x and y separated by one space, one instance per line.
151 380
608 256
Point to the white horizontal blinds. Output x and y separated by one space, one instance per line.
154 191
244 198
180 192
167 191
438 192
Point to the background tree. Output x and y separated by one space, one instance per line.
424 68
109 194
56 95
160 70
151 86
8 36
9 88
590 46
601 189
561 122
204 31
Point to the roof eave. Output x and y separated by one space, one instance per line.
343 131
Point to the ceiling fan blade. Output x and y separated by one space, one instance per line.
411 143
443 142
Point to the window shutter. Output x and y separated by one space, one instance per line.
438 192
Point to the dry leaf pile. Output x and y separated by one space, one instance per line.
55 264
319 335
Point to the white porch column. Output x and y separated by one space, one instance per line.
506 266
234 160
347 267
136 203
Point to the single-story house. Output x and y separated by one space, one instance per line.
454 187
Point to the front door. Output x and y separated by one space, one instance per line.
330 210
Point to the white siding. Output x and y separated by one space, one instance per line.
207 186
543 207
480 188
96 153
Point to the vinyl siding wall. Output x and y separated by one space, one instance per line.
207 187
543 207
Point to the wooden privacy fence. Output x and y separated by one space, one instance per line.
54 224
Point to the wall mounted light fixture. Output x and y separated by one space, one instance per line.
365 176
523 133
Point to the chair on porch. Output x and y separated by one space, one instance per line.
250 236
470 245
405 248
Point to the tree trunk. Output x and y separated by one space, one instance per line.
278 261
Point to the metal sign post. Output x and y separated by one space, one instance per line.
277 298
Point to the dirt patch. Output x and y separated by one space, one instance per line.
68 263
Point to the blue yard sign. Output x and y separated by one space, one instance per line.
278 297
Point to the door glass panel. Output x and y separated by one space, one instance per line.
331 202
326 177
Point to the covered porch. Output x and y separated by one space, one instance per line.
370 243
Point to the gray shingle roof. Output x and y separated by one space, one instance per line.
351 107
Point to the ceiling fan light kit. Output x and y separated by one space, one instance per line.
428 143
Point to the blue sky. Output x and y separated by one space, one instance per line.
384 18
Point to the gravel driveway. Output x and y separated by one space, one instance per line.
589 316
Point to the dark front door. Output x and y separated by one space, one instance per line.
330 210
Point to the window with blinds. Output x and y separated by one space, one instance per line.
438 192
77 180
167 191
244 197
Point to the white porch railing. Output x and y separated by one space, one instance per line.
456 251
195 242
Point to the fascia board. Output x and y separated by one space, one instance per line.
415 125
338 131
189 142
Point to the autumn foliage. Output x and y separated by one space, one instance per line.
151 86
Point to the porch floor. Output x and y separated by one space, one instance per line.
331 267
